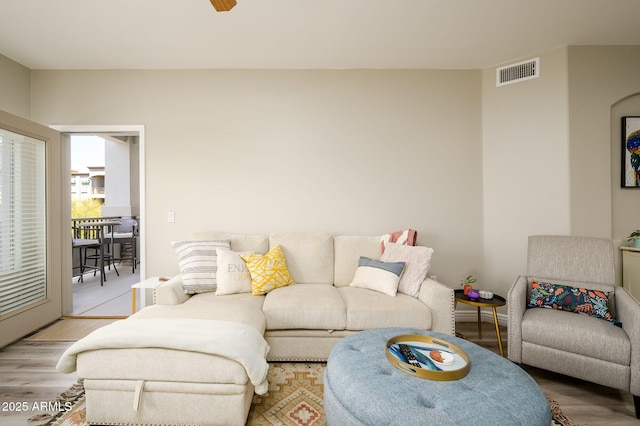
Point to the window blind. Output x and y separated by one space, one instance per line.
23 249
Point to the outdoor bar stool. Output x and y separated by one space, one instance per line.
104 248
126 235
82 245
82 241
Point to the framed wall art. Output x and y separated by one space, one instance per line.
630 152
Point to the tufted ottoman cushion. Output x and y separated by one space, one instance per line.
362 388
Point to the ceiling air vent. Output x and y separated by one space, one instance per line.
518 72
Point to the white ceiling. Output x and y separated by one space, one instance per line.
304 34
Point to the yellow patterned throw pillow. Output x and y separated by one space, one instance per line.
267 271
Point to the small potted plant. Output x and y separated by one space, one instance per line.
468 281
635 238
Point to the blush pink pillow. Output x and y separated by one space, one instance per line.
417 263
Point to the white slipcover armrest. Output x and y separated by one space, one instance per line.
170 292
516 305
628 313
440 299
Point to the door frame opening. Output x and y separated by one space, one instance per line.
67 131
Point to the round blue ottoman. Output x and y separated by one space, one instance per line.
361 387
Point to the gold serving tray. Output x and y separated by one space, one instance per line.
454 371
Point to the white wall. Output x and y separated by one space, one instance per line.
343 151
525 167
626 201
602 78
15 88
604 86
117 180
475 168
551 150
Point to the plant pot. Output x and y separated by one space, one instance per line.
636 243
467 288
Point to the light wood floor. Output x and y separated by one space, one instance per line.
27 374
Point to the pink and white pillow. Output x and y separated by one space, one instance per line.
418 263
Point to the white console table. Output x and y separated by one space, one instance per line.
149 283
631 270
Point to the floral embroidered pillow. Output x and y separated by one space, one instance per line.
594 303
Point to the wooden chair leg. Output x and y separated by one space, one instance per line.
636 403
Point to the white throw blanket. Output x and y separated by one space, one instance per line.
232 340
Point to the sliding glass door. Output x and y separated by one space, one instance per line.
31 250
23 224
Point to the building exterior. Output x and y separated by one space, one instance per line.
88 184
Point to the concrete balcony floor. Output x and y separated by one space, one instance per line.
111 299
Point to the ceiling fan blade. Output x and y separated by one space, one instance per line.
223 5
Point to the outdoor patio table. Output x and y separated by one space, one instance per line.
101 225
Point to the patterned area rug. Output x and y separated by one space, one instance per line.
295 398
72 409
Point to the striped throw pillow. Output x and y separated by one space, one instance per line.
198 264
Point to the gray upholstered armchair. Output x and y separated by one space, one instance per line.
577 345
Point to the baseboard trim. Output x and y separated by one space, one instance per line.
486 315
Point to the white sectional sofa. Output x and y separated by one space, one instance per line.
299 322
304 321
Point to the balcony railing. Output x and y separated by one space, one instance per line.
79 231
125 245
